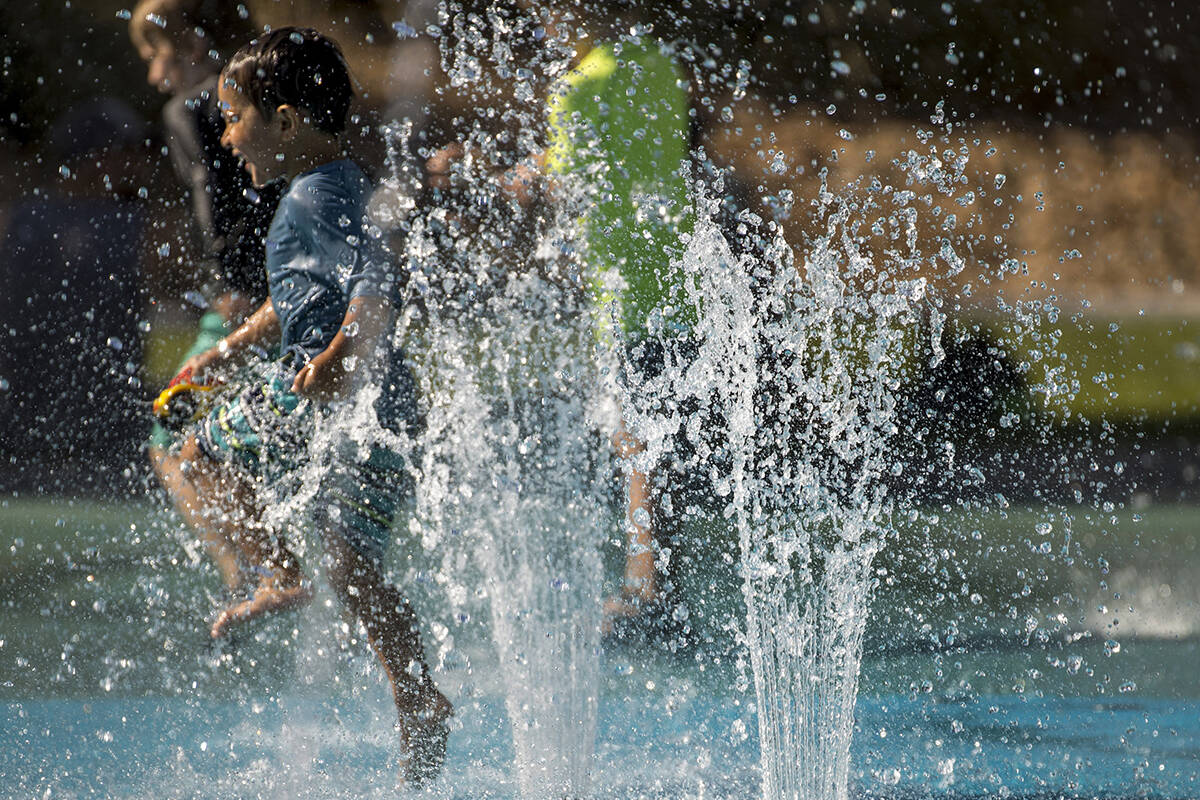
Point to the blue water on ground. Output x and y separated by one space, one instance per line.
689 742
109 688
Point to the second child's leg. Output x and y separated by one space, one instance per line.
221 502
171 470
641 575
639 591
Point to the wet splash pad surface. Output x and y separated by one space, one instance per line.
110 689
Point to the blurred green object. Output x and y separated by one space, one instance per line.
1130 368
165 354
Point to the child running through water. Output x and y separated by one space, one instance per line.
618 129
285 97
180 41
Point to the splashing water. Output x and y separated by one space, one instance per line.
511 464
796 390
793 408
801 375
815 412
804 370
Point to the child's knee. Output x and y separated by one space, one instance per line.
190 452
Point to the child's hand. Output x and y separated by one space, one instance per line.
183 401
330 374
440 165
323 379
183 376
521 184
199 368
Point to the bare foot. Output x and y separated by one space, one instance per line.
268 597
423 739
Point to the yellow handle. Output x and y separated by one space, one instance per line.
162 403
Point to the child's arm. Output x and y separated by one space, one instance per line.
523 182
260 329
330 375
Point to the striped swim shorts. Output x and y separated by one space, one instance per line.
265 430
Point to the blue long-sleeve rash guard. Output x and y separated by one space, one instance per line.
320 257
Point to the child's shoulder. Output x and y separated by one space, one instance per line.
333 192
335 179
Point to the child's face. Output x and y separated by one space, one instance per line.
167 68
252 138
163 70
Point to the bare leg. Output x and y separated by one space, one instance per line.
169 469
278 590
641 577
224 508
392 631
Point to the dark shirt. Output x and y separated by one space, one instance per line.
231 215
321 254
